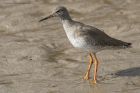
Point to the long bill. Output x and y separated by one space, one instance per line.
46 18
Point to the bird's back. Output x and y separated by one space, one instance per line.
96 38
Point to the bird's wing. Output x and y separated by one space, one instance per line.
99 38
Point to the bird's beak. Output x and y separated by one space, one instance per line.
50 16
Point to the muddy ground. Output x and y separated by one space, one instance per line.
38 58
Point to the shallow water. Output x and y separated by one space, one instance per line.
38 58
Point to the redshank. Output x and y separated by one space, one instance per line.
87 38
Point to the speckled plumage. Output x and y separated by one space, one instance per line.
90 38
86 37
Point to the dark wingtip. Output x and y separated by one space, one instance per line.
128 45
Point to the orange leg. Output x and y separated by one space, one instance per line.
96 63
86 77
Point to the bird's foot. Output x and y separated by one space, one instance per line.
86 77
94 82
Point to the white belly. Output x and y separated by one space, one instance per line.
75 41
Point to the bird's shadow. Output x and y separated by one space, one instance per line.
129 72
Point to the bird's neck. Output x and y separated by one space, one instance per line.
65 17
66 21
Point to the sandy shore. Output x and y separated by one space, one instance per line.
38 58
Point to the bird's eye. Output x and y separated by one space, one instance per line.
58 11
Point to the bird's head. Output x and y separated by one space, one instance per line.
58 12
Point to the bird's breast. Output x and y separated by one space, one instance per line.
73 38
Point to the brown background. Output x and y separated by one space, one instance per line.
38 58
